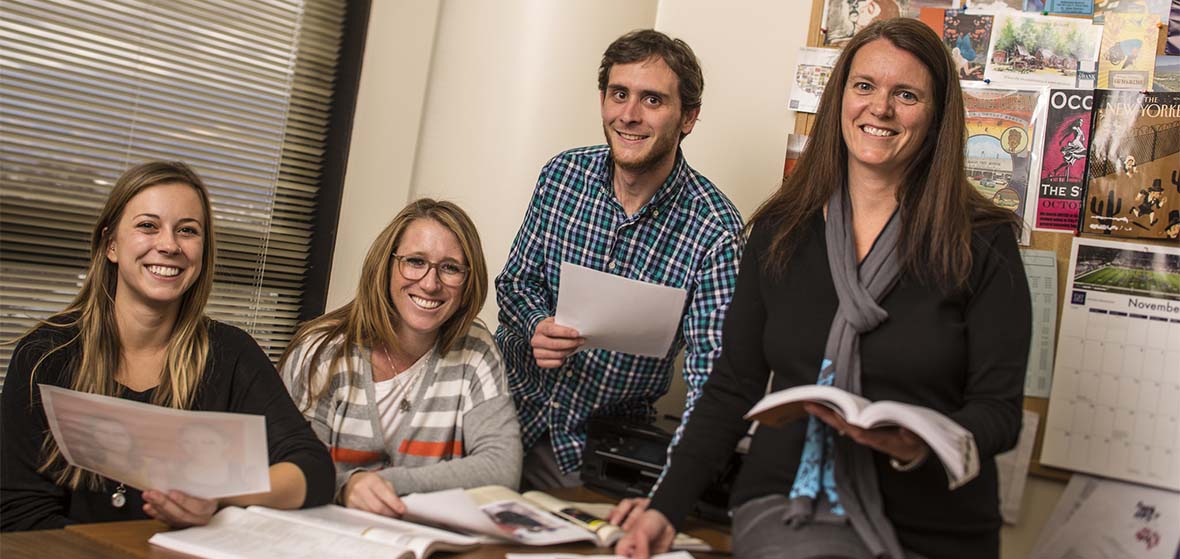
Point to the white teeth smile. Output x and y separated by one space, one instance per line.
631 137
165 271
425 303
878 131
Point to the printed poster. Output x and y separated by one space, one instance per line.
1133 168
1167 74
811 75
1001 143
1063 162
1116 381
1127 56
843 18
1040 50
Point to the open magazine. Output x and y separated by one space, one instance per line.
534 518
952 444
327 531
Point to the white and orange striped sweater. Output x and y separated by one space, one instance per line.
461 430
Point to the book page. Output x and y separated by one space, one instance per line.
235 532
205 454
416 537
954 445
496 511
607 533
785 406
681 541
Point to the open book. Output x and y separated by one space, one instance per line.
534 518
327 531
951 443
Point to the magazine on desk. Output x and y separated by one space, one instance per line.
534 518
951 443
327 531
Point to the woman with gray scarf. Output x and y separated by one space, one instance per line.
879 269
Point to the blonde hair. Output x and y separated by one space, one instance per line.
92 313
370 318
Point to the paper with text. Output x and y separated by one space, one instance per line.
619 314
205 454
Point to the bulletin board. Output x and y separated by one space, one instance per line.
1059 243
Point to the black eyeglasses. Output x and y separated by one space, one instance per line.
415 268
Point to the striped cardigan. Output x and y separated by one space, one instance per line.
460 432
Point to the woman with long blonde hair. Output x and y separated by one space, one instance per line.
137 330
403 383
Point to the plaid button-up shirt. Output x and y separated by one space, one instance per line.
688 236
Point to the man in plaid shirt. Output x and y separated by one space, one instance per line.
632 208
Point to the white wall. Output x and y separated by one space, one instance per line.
384 141
466 100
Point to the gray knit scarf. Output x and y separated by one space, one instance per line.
843 463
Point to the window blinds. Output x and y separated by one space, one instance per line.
239 90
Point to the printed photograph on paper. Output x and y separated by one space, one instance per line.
1041 50
204 454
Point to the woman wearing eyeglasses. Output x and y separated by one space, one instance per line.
403 384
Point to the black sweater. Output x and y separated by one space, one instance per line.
960 352
238 378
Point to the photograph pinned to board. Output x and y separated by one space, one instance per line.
1063 161
812 68
1133 167
966 36
1157 8
1167 74
1116 380
1004 144
1034 49
1126 60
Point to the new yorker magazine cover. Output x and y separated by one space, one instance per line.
1133 168
1001 141
1063 165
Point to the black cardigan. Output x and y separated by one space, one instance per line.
238 378
961 352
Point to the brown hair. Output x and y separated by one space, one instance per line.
643 44
370 318
92 312
939 208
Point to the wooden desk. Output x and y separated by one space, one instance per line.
113 540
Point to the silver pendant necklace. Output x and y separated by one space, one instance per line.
404 405
119 497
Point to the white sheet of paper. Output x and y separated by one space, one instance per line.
205 454
619 314
1098 517
1012 467
1040 266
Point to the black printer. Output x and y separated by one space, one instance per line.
624 458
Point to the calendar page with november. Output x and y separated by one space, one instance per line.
1114 408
